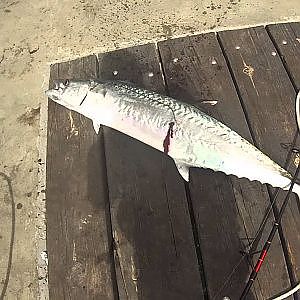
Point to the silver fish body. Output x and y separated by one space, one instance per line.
196 140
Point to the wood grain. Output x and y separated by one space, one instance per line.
228 210
268 97
120 221
286 38
150 218
79 241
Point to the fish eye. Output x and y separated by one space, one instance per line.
67 82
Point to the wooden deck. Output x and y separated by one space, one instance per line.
122 224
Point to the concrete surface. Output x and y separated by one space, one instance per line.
35 33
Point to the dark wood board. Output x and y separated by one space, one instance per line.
228 210
268 97
286 38
79 240
149 212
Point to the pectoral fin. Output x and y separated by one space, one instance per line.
96 126
183 169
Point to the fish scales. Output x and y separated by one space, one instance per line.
197 140
205 126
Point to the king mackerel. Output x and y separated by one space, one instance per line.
185 133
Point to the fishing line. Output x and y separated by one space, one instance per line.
229 276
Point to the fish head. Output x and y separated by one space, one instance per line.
70 93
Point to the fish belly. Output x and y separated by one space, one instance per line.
244 161
211 144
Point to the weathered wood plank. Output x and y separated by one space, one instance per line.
78 237
268 97
228 210
287 40
150 218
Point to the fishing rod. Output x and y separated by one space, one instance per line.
262 226
267 244
277 222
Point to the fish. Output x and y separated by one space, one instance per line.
180 130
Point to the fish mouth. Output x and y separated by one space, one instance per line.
53 94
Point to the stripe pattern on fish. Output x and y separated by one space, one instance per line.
188 135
